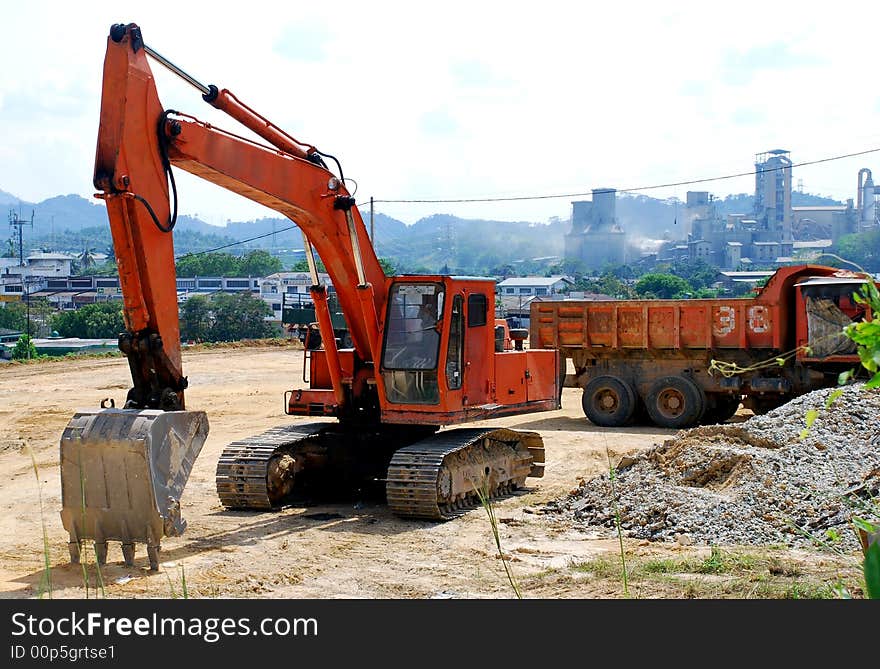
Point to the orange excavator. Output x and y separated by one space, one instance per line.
426 350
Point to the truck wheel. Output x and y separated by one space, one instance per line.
608 401
675 402
725 407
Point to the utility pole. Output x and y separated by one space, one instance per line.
25 284
17 222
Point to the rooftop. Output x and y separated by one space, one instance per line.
746 275
814 244
49 256
533 281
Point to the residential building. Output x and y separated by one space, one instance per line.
285 289
534 286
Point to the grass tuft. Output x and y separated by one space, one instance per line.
483 493
46 580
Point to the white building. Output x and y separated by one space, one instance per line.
534 286
284 289
50 264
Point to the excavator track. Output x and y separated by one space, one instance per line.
244 479
441 477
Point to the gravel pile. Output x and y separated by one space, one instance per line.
755 482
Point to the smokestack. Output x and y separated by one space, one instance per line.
865 199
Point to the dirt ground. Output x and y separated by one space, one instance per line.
348 550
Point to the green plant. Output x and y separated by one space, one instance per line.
612 475
866 333
483 494
872 571
184 593
46 581
83 546
24 349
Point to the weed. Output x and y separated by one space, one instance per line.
81 543
170 585
183 593
601 567
612 474
46 580
99 579
483 493
666 566
722 562
802 590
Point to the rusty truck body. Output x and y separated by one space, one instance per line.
684 362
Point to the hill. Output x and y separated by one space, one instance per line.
434 243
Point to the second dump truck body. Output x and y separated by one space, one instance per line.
691 361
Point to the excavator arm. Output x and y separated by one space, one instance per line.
132 172
124 470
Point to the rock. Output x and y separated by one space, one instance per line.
745 483
625 461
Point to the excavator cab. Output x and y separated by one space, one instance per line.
411 351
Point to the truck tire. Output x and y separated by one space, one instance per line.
675 402
725 407
609 401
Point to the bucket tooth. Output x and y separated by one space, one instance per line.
123 472
128 554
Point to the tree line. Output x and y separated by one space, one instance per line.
218 317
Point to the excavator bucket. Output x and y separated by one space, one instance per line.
123 472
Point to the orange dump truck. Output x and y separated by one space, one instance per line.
683 362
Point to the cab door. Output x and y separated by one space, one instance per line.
479 347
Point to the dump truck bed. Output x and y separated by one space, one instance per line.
744 323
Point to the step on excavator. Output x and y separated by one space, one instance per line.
426 352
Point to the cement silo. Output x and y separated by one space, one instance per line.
596 238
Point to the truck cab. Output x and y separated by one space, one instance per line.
825 306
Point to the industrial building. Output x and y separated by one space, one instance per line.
597 237
832 222
763 237
766 236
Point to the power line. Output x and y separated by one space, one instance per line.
241 241
531 197
624 190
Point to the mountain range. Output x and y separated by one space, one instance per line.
437 242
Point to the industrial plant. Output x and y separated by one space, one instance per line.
768 236
597 237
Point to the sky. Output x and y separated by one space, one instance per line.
453 100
